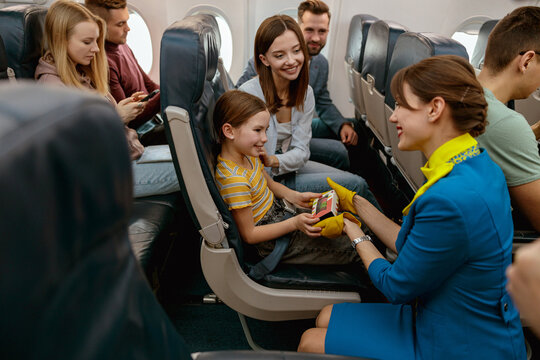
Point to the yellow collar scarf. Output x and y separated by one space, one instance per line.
442 161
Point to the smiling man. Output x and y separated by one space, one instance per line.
314 20
125 74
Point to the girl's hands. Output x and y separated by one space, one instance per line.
304 199
304 222
130 107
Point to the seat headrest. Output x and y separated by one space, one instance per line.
21 28
477 58
64 167
380 42
413 47
71 281
192 43
356 42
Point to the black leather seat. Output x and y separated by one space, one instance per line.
21 27
71 287
5 71
354 57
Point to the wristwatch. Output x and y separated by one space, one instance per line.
359 240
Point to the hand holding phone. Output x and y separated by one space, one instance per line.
149 96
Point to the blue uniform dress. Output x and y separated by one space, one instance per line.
447 285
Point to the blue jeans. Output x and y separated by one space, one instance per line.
330 152
326 148
312 177
154 178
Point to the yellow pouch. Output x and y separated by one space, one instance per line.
345 196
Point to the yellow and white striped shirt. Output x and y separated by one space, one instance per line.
241 187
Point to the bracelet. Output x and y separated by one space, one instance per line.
359 240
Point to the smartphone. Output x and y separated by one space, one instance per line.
149 96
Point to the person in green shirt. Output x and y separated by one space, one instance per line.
512 71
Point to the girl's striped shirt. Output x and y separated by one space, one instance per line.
241 187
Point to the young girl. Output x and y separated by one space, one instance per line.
283 84
241 121
76 58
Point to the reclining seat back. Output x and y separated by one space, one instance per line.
5 71
188 96
188 90
477 58
21 28
354 57
411 48
71 287
380 42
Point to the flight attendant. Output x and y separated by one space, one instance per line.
447 285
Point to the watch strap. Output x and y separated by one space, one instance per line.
359 240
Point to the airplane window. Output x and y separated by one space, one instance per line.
292 12
226 50
467 32
226 41
139 40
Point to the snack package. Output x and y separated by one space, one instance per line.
325 206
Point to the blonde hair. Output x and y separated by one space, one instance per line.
61 19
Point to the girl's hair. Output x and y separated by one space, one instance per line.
235 107
452 78
61 19
268 31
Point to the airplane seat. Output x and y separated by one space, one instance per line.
409 49
5 71
21 28
477 58
354 58
187 100
380 43
72 288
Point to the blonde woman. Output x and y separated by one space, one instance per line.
75 57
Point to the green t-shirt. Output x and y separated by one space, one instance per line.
510 142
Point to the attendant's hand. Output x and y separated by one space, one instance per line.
129 109
268 160
303 199
345 196
136 149
305 223
348 135
352 228
333 227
